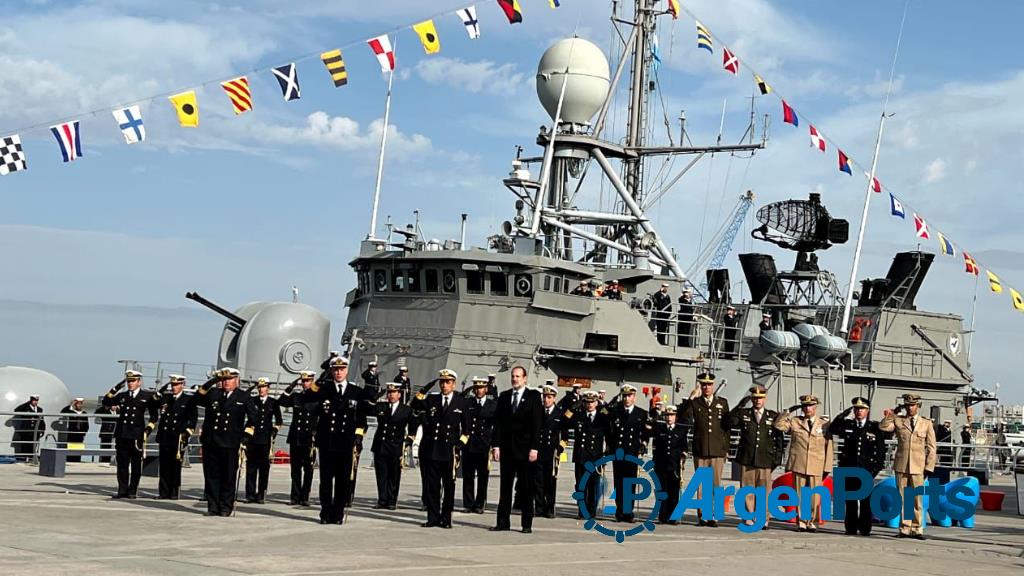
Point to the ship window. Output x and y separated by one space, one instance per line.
364 282
474 282
413 278
547 283
565 285
499 284
431 279
448 283
380 280
558 284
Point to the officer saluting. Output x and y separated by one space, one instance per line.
341 423
178 417
588 423
226 425
915 456
476 469
266 422
708 413
553 440
810 453
669 447
388 445
863 447
443 418
301 451
131 430
761 445
628 430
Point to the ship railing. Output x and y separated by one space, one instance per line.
898 359
701 330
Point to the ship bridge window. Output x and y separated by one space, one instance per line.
380 280
474 282
430 275
499 284
364 282
448 282
557 284
398 281
412 278
547 283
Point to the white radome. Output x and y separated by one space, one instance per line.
588 75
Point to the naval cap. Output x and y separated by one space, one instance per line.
372 363
627 389
394 387
757 391
79 399
307 375
480 382
132 375
670 409
808 400
176 379
262 383
860 402
403 368
447 374
706 378
589 396
34 397
339 362
549 390
229 372
911 399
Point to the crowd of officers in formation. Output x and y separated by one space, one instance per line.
522 430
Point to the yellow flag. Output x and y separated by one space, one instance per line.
994 283
1018 302
187 108
428 36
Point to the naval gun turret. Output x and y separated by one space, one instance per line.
274 340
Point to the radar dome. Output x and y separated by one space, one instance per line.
587 75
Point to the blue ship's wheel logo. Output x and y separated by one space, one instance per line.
591 523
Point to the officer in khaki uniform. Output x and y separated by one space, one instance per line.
708 414
810 453
915 455
761 445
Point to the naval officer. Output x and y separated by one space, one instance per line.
810 453
301 451
915 456
178 418
708 413
761 445
863 447
132 430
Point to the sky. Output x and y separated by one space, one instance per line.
97 254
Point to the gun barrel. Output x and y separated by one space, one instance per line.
194 296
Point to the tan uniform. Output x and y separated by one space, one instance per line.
915 455
810 456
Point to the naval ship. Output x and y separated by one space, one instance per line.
426 304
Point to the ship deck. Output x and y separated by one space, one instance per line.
69 526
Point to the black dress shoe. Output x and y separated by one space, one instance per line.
304 503
261 501
446 525
468 510
324 521
428 524
479 510
212 513
499 528
339 521
116 497
378 506
701 522
801 529
902 535
250 500
712 524
131 496
225 513
549 515
812 528
392 507
919 537
527 530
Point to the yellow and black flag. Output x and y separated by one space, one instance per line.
762 85
336 66
512 10
1018 302
187 107
994 283
428 36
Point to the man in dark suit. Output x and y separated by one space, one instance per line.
708 414
661 313
301 451
554 438
227 424
515 446
388 445
589 424
476 469
27 429
669 452
341 423
267 421
132 429
629 431
863 447
178 418
74 426
444 421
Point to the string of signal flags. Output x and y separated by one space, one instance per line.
129 118
898 207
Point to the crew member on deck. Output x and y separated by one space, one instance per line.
178 418
301 451
810 453
227 424
266 423
554 438
708 414
75 426
443 419
132 430
628 430
863 447
388 445
761 446
476 467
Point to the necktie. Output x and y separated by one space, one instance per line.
758 414
394 406
547 411
913 422
591 416
515 401
445 405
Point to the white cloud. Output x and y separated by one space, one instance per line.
479 76
935 171
344 133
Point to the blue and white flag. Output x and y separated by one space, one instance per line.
469 20
656 52
897 207
69 140
288 78
129 120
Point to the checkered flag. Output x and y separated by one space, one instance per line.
12 158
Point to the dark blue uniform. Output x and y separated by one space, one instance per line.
266 422
301 451
388 449
669 452
444 433
863 447
628 430
136 415
588 437
226 421
553 440
476 469
178 419
341 422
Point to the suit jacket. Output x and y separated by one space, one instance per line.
341 417
391 428
710 429
176 418
443 430
77 424
132 412
266 416
669 446
553 434
915 446
862 447
303 424
517 432
810 450
761 444
588 442
628 431
226 418
481 424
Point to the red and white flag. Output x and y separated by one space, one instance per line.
730 62
816 140
922 227
381 46
875 184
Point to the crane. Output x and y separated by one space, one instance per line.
714 254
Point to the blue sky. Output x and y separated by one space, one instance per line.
242 208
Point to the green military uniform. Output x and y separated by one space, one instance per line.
708 415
